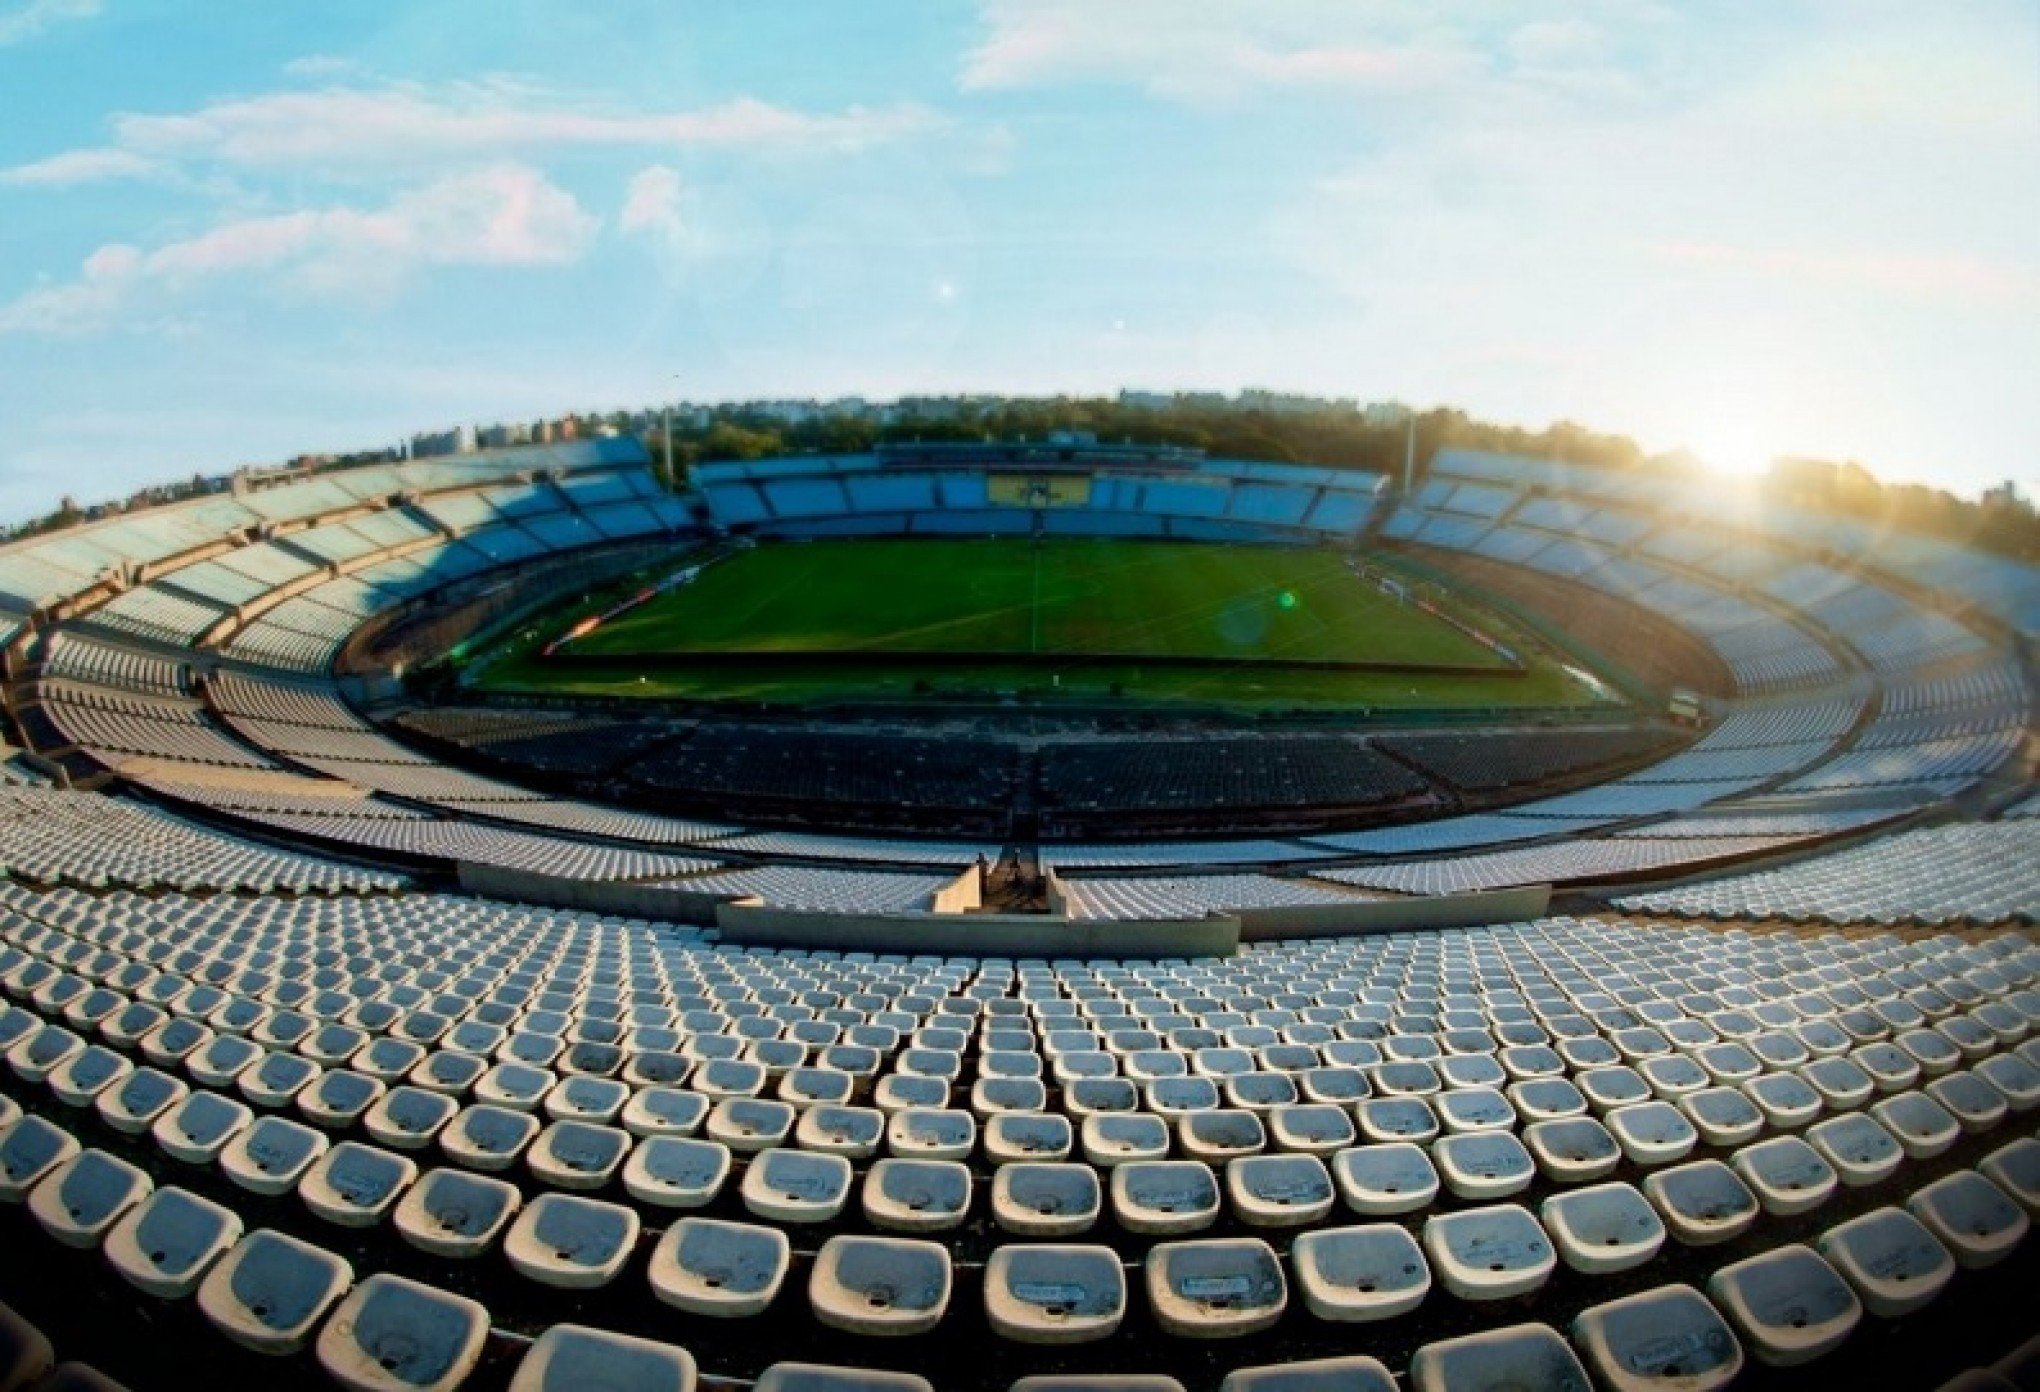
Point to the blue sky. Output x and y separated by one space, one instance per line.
231 233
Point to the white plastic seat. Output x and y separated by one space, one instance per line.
1490 1253
1841 1083
1374 1272
1787 1100
1861 1152
487 1138
1975 1104
1546 1099
1976 1221
916 1195
271 1156
1474 1109
1163 1197
355 1185
664 1111
1724 1116
1353 1373
197 1129
79 1201
30 1151
1054 1294
1217 1137
1652 1133
1663 1338
1787 1175
676 1171
167 1243
1215 1288
409 1118
2015 1168
138 1101
1027 1137
1919 1123
86 1074
723 1270
796 1186
1572 1150
1483 1165
989 1097
597 1101
577 1155
815 1377
1109 1139
571 1358
1278 1191
749 1125
570 1241
1379 1181
1787 1305
1896 1265
452 1213
1046 1199
338 1099
1602 1229
1526 1356
888 1286
1310 1128
394 1335
2016 1080
1386 1120
270 1292
931 1133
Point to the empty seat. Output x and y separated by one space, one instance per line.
1310 1129
931 1133
1521 1356
1489 1253
577 1155
79 1201
1786 1174
1020 1137
1047 1200
391 1334
1919 1123
1703 1203
354 1185
723 1270
880 1285
197 1129
1354 1373
1973 1218
270 1157
571 1358
451 1213
852 1132
1602 1229
1572 1150
664 1111
1896 1265
270 1292
2015 1168
573 1242
135 1104
1110 1139
1053 1293
796 1186
1385 1120
1383 1180
814 1377
676 1172
1215 1288
487 1138
1163 1197
1482 1165
25 1352
166 1244
1373 1272
1666 1337
1787 1304
1278 1191
1861 1152
1724 1116
917 1195
409 1118
1652 1133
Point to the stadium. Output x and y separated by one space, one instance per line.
1051 914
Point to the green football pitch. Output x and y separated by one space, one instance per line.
1128 598
1168 623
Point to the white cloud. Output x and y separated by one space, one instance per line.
87 166
24 21
369 129
505 216
651 205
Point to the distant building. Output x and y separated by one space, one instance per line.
1146 400
503 436
1385 413
459 440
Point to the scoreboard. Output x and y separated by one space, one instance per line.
1038 490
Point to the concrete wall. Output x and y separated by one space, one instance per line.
593 896
992 935
1364 916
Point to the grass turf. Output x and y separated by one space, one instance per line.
1128 598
